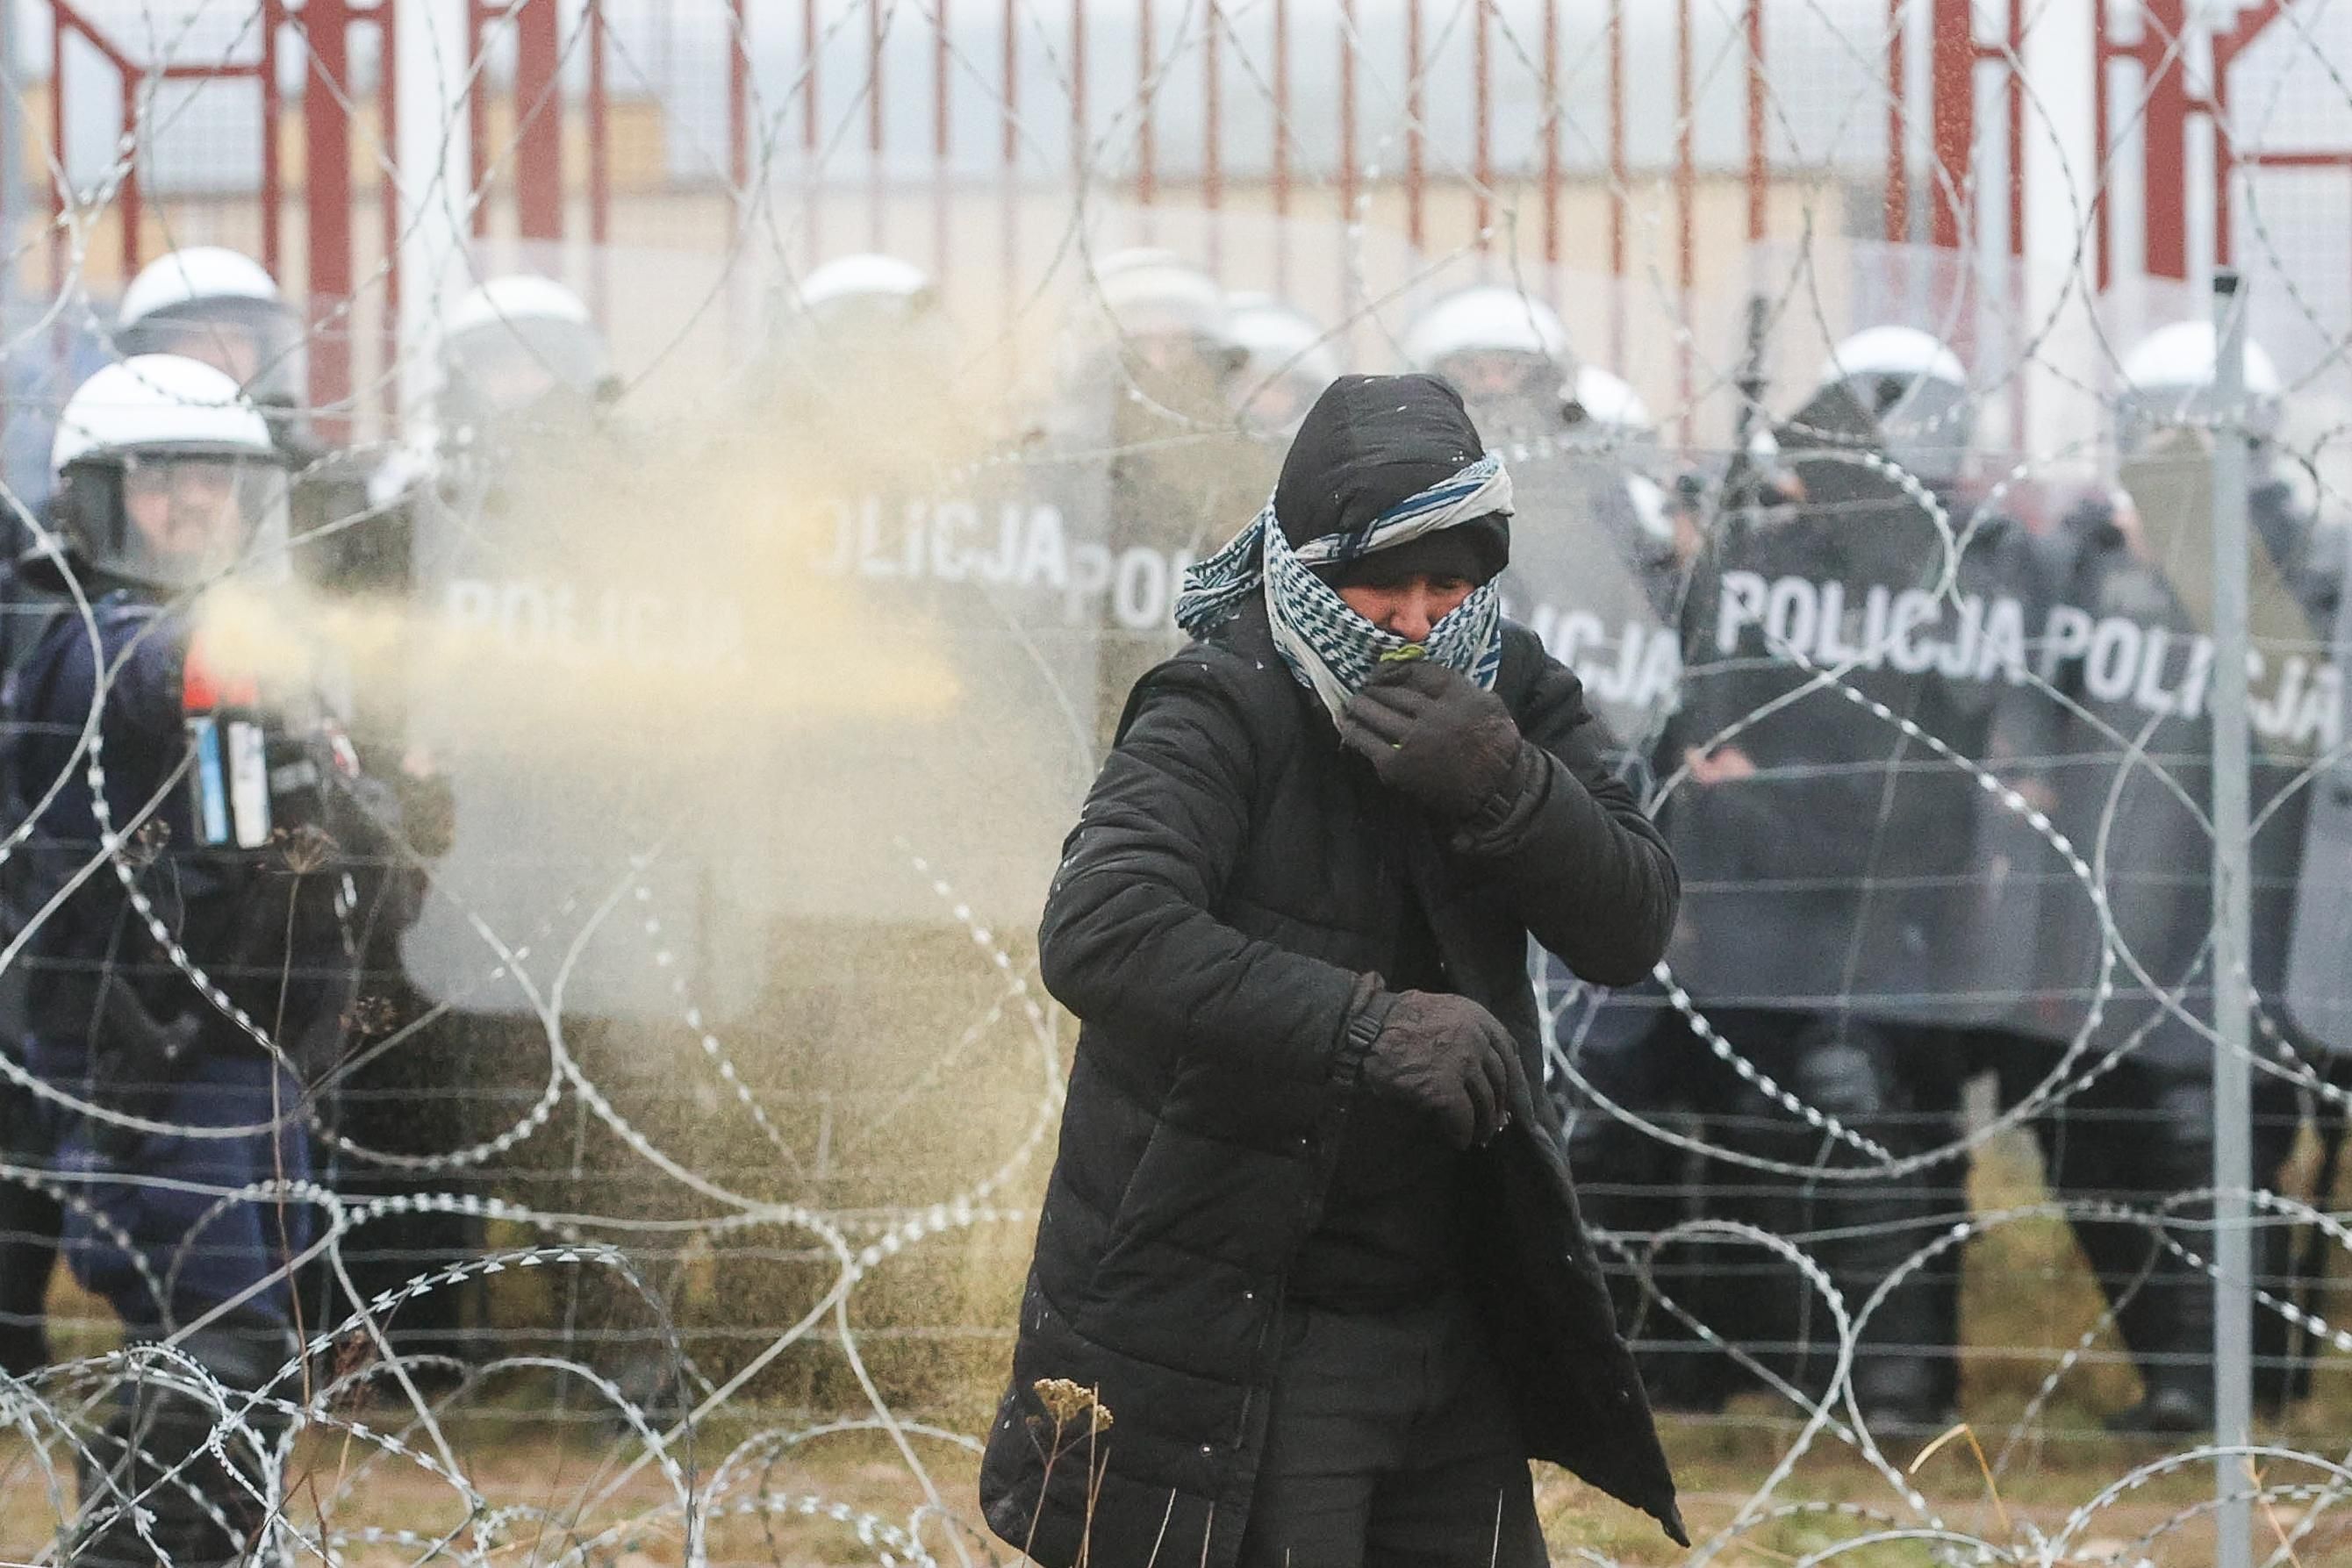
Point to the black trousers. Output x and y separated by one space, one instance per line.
1390 1443
2138 1136
30 1223
177 1473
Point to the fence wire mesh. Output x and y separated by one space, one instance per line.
718 636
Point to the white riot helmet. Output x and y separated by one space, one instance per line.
1163 309
1915 391
2168 380
1495 344
206 302
865 292
167 474
517 344
1287 361
868 320
1606 410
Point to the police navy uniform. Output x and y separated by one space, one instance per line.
239 827
1828 931
2141 1131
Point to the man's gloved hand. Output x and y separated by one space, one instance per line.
1432 734
1450 1057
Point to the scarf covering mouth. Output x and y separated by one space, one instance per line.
1328 647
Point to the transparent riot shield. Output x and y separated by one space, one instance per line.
704 691
1856 636
2318 979
2117 743
1591 576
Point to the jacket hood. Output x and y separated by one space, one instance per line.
1369 442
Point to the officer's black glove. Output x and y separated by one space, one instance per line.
1450 1057
137 1060
1431 733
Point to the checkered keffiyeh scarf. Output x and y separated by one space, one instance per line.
1331 648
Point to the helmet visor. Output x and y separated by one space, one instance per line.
188 518
257 343
509 366
1499 375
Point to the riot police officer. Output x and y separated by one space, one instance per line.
1505 352
1826 937
524 378
219 306
2134 559
1596 574
1287 359
191 973
860 374
1152 366
522 365
214 305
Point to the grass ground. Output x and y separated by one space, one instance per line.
841 1498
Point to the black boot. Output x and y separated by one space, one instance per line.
2170 1324
150 1459
2172 1406
1872 1228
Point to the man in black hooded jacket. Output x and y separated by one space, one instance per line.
1310 1286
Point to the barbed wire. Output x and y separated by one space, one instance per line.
699 1082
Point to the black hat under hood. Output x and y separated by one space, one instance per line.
1370 442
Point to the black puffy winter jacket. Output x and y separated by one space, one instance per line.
1233 877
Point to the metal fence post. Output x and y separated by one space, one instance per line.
2232 1248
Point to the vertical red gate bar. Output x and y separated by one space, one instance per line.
941 58
1414 227
385 13
1551 132
58 151
1951 117
1619 174
478 114
1146 151
1348 176
1898 163
388 101
2227 47
539 121
600 133
1279 169
2103 217
739 78
2016 107
1759 175
1077 89
739 109
875 220
1685 200
327 170
273 16
1482 130
129 200
1008 225
1212 173
127 194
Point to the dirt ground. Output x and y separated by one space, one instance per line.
537 1485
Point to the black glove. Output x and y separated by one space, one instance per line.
1452 1059
1431 733
136 1062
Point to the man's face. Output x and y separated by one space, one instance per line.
226 347
1410 606
512 380
185 509
1280 404
1493 376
